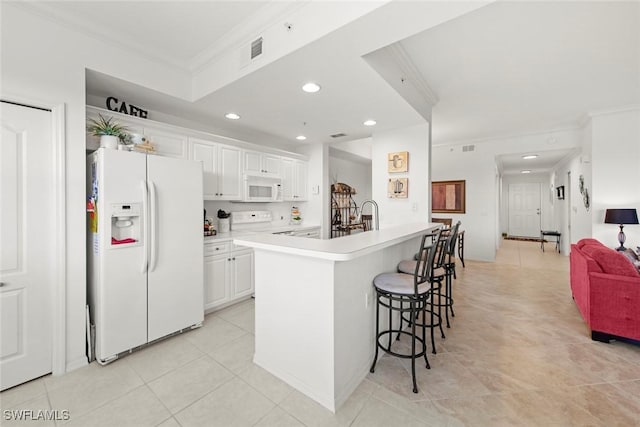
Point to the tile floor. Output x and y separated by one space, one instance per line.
517 353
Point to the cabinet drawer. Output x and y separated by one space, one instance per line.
216 248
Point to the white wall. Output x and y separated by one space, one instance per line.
615 165
281 212
43 62
572 207
478 168
354 173
415 140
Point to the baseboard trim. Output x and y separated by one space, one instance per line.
76 364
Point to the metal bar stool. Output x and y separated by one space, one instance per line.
399 288
438 273
450 271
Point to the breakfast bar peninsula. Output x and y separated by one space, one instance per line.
315 308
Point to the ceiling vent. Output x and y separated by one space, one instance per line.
466 148
256 48
338 135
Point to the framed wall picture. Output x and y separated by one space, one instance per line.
448 197
398 188
398 162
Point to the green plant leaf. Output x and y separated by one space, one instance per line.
106 126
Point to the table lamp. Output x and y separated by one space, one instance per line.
621 217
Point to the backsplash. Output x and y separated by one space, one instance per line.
278 210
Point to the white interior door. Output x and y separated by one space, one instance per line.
26 249
176 273
524 209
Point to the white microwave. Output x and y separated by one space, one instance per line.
262 189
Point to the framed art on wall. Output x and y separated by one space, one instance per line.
398 188
448 196
398 162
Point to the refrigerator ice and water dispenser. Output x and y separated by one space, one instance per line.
125 224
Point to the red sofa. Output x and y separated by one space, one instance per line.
606 288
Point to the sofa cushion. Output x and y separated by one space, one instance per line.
590 249
613 262
588 241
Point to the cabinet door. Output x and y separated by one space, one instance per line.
229 175
167 143
271 164
217 280
252 162
301 171
286 170
242 283
206 152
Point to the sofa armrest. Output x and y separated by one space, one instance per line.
614 304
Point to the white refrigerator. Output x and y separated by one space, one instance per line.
145 248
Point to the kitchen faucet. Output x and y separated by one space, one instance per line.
375 210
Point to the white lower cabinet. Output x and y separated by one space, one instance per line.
228 275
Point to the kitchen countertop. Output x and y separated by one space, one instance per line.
223 237
338 249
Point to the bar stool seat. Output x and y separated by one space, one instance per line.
399 284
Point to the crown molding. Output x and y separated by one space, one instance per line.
49 12
567 128
400 56
257 23
607 111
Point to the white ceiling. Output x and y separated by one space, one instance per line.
545 162
515 67
175 32
507 68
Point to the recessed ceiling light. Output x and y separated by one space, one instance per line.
311 87
232 116
301 137
370 123
525 171
530 156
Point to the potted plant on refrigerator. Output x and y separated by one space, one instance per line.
108 130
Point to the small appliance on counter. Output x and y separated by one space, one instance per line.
224 225
296 219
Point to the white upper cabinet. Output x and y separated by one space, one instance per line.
221 169
286 168
229 173
294 180
207 153
167 143
256 163
301 182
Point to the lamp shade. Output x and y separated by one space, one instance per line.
621 216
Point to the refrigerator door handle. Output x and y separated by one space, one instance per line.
153 224
145 214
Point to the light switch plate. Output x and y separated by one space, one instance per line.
315 189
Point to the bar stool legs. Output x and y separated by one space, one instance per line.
415 307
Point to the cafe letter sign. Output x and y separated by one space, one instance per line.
121 107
